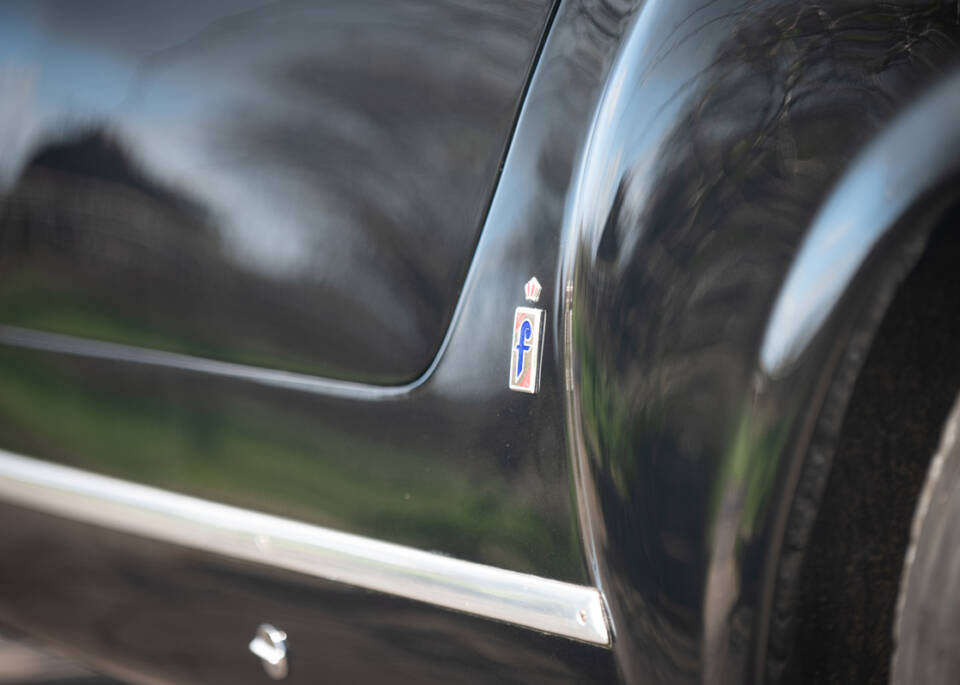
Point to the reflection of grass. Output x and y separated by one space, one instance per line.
750 465
617 431
38 299
268 460
607 420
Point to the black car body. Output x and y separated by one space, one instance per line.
258 269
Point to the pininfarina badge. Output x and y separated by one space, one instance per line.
527 342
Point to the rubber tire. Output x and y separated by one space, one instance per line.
927 628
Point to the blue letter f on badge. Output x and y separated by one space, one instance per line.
526 331
525 353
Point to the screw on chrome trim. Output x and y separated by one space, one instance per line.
270 645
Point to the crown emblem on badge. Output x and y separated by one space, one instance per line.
531 289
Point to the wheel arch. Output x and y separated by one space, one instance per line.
895 207
683 226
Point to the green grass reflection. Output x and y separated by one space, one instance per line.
263 457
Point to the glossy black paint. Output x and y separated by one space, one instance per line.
675 208
453 462
728 130
292 185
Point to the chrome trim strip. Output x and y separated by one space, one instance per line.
550 606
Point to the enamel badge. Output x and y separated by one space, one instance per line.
527 342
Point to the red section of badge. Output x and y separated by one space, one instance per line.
524 381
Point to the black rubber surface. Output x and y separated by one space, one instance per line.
850 524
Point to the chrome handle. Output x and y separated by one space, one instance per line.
270 644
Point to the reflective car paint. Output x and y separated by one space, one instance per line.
292 185
441 463
675 206
464 466
729 133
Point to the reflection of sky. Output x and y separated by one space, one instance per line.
51 83
39 75
327 144
876 192
186 89
165 111
639 111
831 254
89 81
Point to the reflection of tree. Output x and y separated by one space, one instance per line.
398 133
91 246
83 218
376 128
372 130
77 196
671 304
